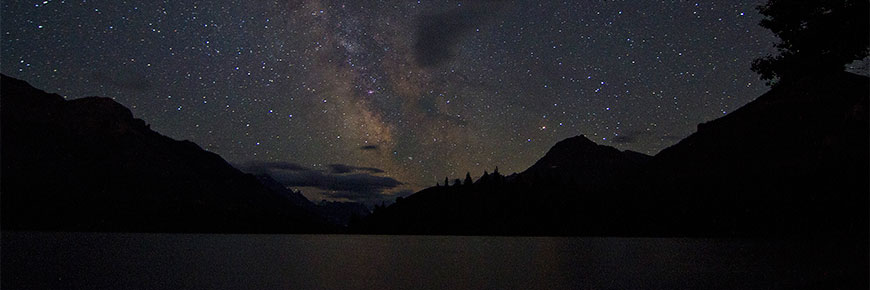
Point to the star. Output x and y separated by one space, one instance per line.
458 87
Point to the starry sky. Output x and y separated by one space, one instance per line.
368 100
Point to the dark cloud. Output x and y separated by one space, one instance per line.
671 138
623 139
292 5
429 107
369 147
263 167
368 200
357 182
354 195
343 168
124 80
340 181
438 34
630 137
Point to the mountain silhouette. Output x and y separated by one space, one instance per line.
342 213
335 213
793 162
88 165
546 199
579 162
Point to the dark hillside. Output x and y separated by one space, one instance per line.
88 165
793 162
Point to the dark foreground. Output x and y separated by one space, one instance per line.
34 260
792 163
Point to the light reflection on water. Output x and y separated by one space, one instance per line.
202 261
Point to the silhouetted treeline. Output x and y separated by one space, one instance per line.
793 162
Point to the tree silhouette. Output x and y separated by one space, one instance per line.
497 177
468 180
817 37
484 178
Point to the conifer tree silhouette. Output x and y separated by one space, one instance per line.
484 178
817 37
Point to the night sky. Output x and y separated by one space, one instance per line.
366 100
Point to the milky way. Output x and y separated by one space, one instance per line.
417 90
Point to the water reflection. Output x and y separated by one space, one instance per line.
173 261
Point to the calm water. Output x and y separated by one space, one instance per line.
195 261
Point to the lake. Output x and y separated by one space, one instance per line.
35 260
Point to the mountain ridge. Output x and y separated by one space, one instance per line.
583 162
88 165
794 161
